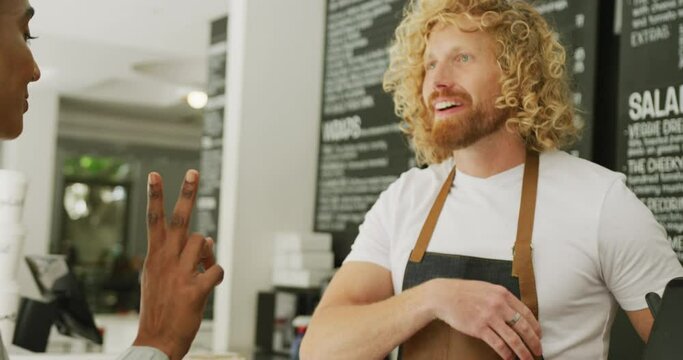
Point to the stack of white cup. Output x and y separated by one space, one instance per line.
12 194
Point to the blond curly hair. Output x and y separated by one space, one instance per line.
534 84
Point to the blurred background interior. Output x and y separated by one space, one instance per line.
118 98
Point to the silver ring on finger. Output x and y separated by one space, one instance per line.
514 320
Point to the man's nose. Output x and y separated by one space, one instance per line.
444 77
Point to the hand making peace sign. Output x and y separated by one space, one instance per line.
174 292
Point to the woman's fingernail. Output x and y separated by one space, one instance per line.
191 176
152 178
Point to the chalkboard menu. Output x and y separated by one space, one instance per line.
650 119
576 21
361 148
211 153
212 135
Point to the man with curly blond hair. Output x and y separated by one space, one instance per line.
504 246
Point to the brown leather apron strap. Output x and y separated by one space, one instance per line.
522 265
428 228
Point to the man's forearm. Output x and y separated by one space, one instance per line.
367 331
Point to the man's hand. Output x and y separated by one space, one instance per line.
488 312
174 293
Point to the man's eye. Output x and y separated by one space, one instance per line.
464 58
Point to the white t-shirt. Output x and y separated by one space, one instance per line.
595 245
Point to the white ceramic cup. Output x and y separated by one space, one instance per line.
11 242
9 306
13 186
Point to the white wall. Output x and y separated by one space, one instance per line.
275 59
33 153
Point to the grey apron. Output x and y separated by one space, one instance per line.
438 340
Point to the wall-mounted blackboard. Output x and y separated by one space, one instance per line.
211 154
361 150
576 21
650 121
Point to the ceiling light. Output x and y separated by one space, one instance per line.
197 99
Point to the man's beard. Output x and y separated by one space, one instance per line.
462 130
